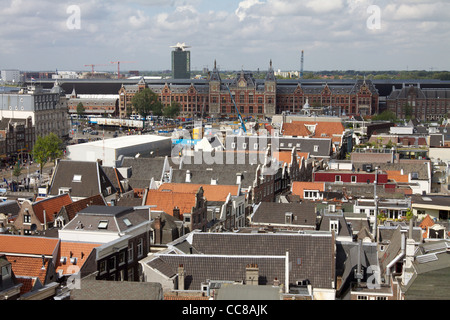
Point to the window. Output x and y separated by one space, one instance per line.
130 252
127 222
27 218
334 226
121 258
112 264
361 298
140 248
353 179
102 266
103 224
76 178
337 179
316 148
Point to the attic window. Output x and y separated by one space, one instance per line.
76 178
127 222
103 224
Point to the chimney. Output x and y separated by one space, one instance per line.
158 230
181 277
188 176
238 178
276 282
43 262
251 274
176 213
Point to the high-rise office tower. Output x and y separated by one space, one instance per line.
181 62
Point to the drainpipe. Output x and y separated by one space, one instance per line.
286 276
398 257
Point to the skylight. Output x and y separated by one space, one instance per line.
127 222
76 178
103 224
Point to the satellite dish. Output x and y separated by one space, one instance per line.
33 227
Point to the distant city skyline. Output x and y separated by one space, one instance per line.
375 35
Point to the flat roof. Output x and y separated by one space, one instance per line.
125 141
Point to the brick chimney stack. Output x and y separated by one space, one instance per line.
157 225
251 274
181 277
176 213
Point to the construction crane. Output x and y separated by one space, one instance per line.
237 111
301 66
118 66
93 65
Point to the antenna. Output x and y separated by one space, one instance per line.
301 65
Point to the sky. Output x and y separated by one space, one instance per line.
376 35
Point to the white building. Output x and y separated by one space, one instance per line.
10 76
47 108
109 150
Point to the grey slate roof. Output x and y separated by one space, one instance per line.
203 267
304 213
10 207
347 261
89 218
430 279
143 170
344 229
311 253
93 179
117 290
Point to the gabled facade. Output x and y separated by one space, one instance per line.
35 218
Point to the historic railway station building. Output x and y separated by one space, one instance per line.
255 97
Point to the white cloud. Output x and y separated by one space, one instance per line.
243 8
243 32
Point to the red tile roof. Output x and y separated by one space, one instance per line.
73 208
330 130
210 192
27 284
51 206
79 250
299 186
29 266
15 244
167 200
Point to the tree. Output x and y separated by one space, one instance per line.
172 111
17 170
146 103
386 115
47 148
80 109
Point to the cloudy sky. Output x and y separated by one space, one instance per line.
335 34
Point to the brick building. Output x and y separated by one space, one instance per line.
423 104
254 97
